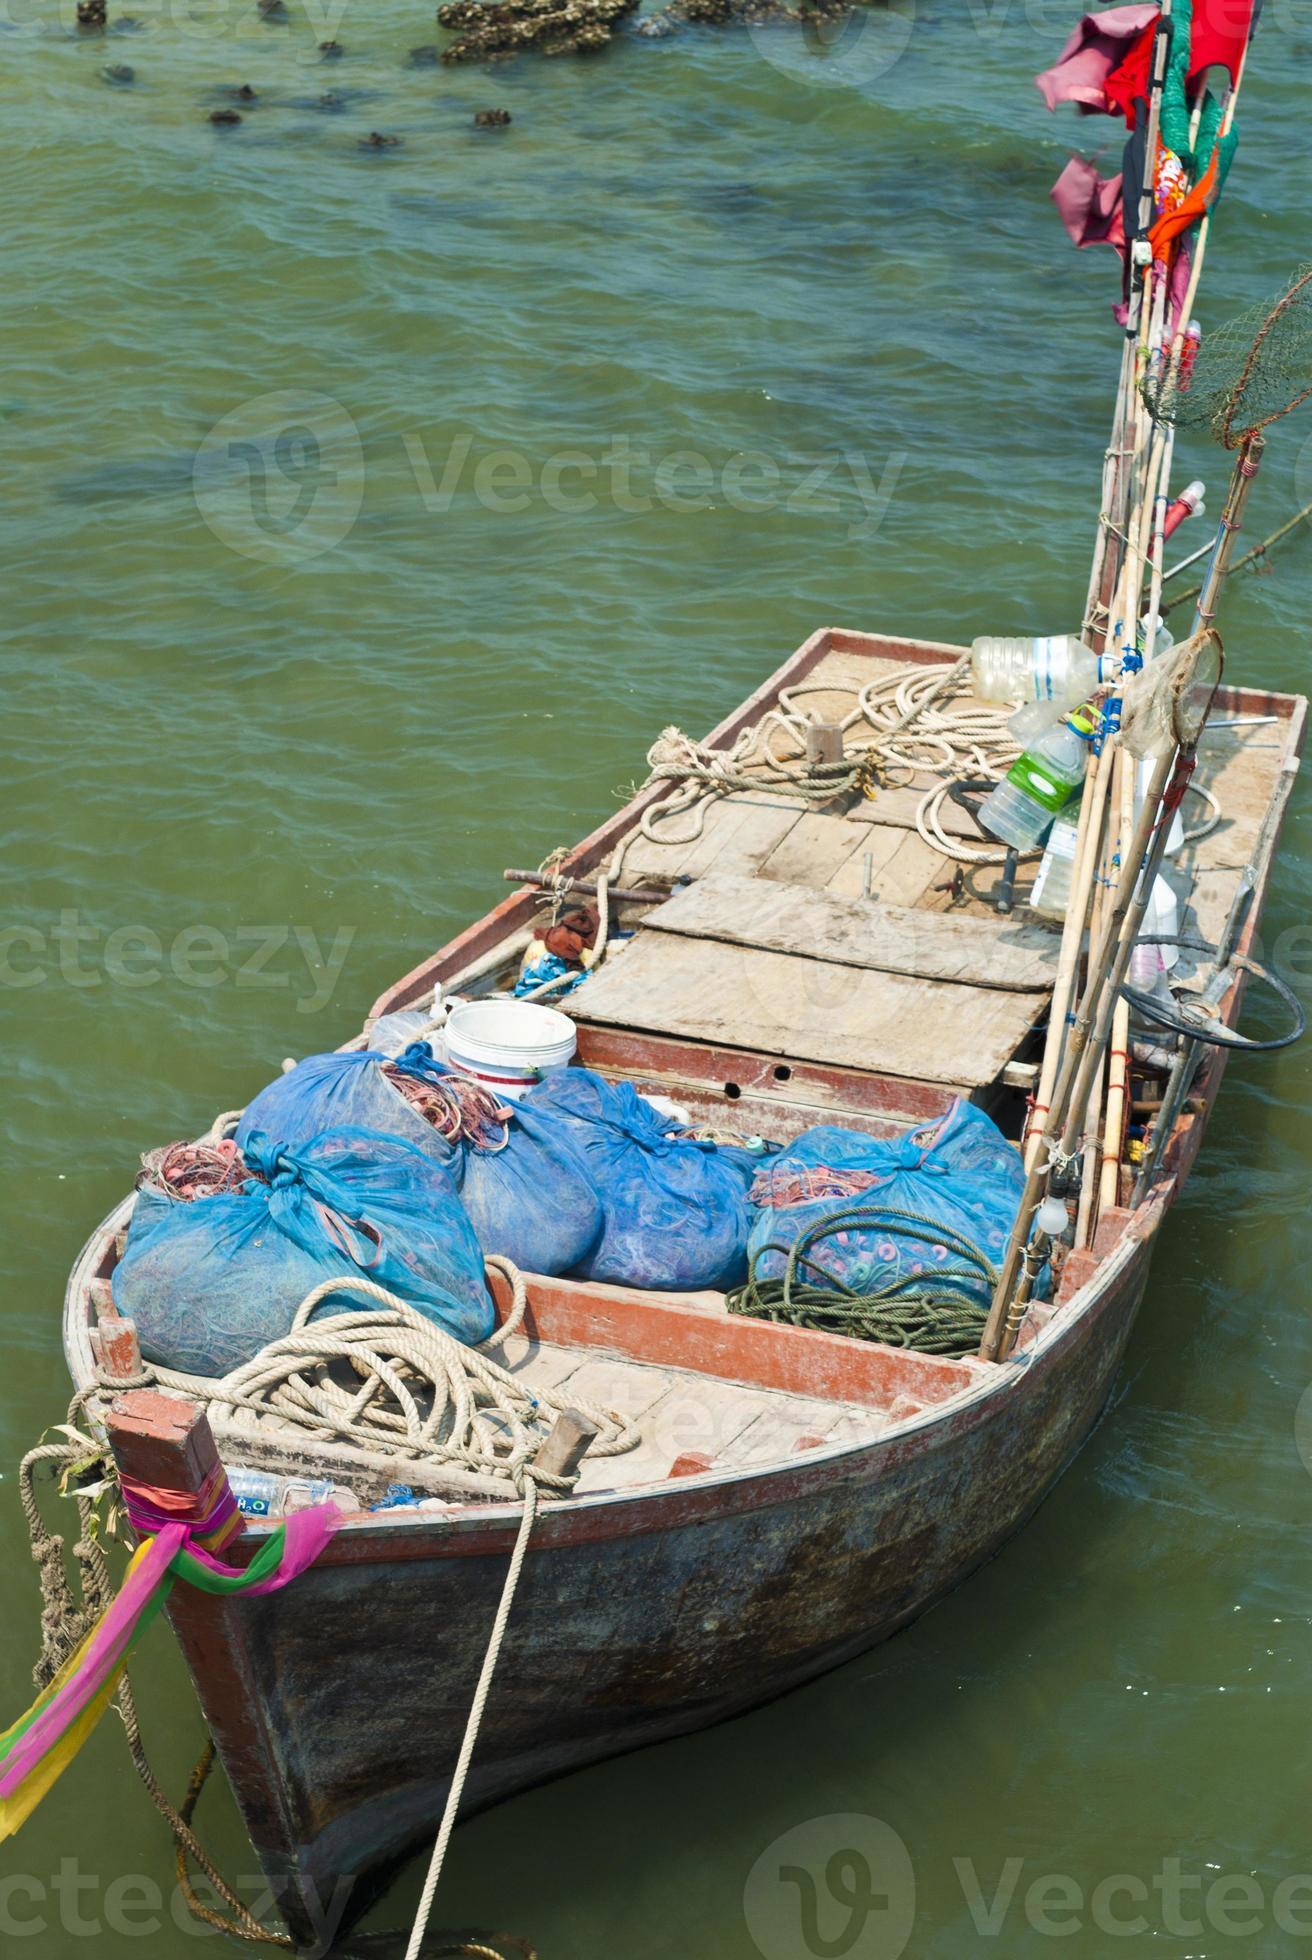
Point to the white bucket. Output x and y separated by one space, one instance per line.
508 1044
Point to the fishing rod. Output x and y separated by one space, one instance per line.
1104 580
1249 557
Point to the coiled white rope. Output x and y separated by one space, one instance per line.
920 720
418 1398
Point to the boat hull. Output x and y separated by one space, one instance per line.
339 1706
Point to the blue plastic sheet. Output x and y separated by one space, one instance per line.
211 1281
959 1173
531 1199
676 1214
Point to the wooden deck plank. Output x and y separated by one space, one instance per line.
1239 765
787 918
820 844
737 833
545 1366
629 1388
812 1009
906 876
693 1417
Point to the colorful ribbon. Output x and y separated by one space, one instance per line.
38 1748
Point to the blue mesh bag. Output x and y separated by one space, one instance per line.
212 1281
675 1210
533 1199
526 1192
325 1092
958 1174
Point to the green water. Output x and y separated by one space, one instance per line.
585 424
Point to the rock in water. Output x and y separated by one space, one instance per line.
493 30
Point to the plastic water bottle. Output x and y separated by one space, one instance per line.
1040 783
261 1495
1059 669
1052 887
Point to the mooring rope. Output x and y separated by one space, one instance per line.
474 1721
478 1417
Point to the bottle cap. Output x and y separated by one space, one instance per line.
1083 721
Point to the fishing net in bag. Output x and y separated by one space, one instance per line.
208 1168
1246 374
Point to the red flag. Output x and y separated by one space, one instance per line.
1220 34
1130 81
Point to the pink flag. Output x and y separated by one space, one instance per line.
1098 45
1090 206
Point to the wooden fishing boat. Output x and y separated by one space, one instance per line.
797 1496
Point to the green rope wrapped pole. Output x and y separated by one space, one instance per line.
902 1313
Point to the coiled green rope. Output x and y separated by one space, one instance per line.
901 1313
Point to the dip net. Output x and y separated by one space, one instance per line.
1246 374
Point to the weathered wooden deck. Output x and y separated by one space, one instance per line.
840 936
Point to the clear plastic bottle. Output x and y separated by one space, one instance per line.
1059 669
262 1495
1039 783
1052 886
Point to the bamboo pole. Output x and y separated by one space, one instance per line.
1181 598
1107 966
1147 460
1118 1060
1088 843
1097 921
1083 1054
1124 462
1113 466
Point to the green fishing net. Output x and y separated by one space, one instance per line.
1247 373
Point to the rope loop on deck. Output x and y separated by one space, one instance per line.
915 719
